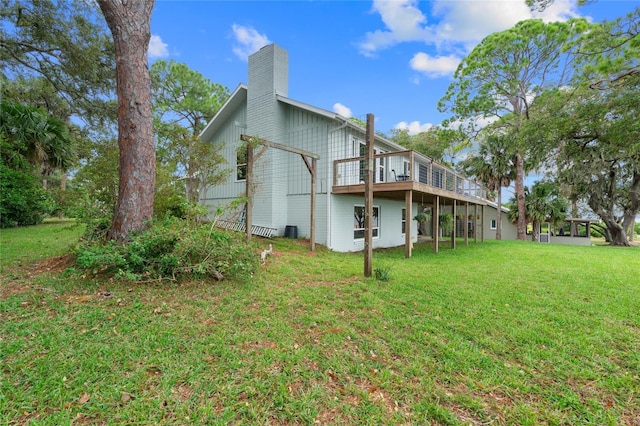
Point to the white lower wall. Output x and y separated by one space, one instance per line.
390 235
298 214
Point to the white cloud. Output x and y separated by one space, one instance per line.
471 21
248 41
414 127
434 66
403 22
157 48
458 25
344 111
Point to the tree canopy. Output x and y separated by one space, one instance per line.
184 101
502 76
64 42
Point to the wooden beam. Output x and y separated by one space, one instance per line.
408 202
248 215
247 138
306 163
368 200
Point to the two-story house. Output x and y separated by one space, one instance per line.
405 182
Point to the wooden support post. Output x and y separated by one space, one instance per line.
412 174
453 232
249 192
482 224
368 199
436 226
408 202
312 167
475 223
312 219
466 223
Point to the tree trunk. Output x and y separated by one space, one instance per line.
499 215
130 26
618 234
192 181
519 187
535 232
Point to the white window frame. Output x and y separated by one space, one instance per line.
375 220
381 163
239 165
494 224
358 149
403 220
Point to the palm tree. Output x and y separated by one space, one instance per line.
493 165
42 139
542 204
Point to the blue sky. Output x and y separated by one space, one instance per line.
393 58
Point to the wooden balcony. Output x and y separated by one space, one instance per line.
398 172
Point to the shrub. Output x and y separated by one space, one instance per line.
22 199
382 273
175 249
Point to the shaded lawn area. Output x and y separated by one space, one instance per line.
503 332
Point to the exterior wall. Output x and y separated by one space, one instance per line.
509 231
299 216
390 224
570 241
228 137
307 131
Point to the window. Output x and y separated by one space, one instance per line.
358 222
436 177
494 224
359 149
241 164
380 166
404 221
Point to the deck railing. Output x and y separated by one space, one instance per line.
404 166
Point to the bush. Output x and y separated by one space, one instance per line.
382 273
173 249
22 199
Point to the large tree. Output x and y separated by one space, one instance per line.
184 101
493 165
130 24
608 53
598 150
544 204
441 144
503 74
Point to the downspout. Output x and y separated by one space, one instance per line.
330 174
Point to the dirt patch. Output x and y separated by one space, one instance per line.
182 392
13 287
55 264
21 275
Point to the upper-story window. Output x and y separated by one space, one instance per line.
241 164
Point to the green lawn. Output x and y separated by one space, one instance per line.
496 332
